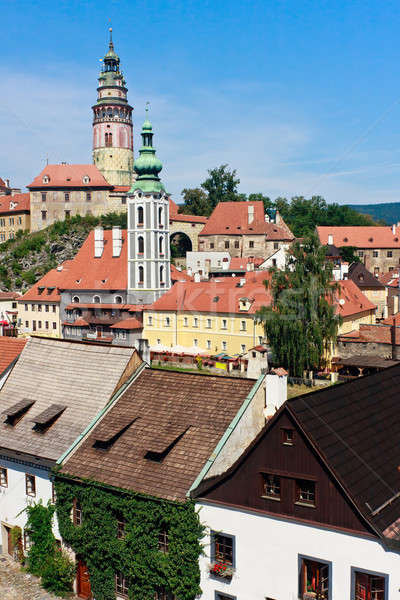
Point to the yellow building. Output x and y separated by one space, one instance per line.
14 215
39 307
210 316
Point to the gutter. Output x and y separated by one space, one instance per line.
94 421
228 432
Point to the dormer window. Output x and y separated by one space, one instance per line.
96 299
75 299
86 179
46 179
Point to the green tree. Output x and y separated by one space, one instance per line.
221 185
195 202
301 324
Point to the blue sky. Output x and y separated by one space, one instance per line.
301 97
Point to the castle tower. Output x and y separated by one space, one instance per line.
148 227
112 123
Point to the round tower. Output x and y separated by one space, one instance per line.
149 273
112 123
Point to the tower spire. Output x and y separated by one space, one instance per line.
147 166
111 45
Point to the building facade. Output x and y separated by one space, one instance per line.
14 215
112 123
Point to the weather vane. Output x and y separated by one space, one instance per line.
147 106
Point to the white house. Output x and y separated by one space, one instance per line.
203 262
52 394
312 507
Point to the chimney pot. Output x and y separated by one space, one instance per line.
394 229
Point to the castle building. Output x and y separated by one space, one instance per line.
112 123
148 227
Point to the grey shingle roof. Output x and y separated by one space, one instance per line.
80 376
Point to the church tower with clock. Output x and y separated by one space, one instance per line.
112 123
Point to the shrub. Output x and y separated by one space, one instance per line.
58 572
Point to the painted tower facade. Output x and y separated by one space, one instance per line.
148 227
112 123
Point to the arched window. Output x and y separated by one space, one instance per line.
161 275
118 299
75 299
141 275
108 140
161 245
140 244
160 215
140 215
96 299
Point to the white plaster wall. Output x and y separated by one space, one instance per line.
216 260
13 499
267 550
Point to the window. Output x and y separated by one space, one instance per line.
389 254
195 322
276 245
368 585
222 548
185 321
46 308
251 244
163 540
46 324
77 513
121 529
43 196
160 217
140 244
54 308
66 197
227 244
305 492
208 344
33 325
287 437
88 196
208 323
195 342
237 244
162 275
108 140
141 274
26 323
375 253
140 215
224 324
211 245
167 321
67 214
39 308
39 324
243 326
27 540
376 270
271 486
3 477
121 584
118 299
54 325
96 299
223 345
44 215
161 246
360 253
86 179
243 348
30 485
315 578
46 179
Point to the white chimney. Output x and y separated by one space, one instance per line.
394 229
250 214
98 242
242 281
330 240
197 277
189 271
117 241
275 392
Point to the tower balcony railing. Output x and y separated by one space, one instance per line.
107 119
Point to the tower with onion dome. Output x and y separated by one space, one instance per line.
148 227
112 123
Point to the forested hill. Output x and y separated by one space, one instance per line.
388 212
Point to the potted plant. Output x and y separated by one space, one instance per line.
221 569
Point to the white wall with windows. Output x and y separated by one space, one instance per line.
21 483
272 555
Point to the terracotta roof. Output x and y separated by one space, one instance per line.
47 289
99 305
10 295
177 275
69 176
131 323
341 421
106 273
217 295
81 376
121 188
78 323
364 278
376 333
190 412
10 349
15 204
360 237
390 279
350 300
231 218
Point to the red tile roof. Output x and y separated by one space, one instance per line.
15 204
10 349
78 323
360 237
217 295
69 176
350 300
131 323
47 289
177 275
390 279
231 218
121 188
10 295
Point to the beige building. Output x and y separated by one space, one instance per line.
244 230
9 307
14 215
39 307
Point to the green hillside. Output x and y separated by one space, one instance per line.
387 213
24 260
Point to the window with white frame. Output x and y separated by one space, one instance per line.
185 321
30 485
224 324
223 345
167 321
243 325
3 477
315 578
150 320
195 322
243 348
195 342
209 323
